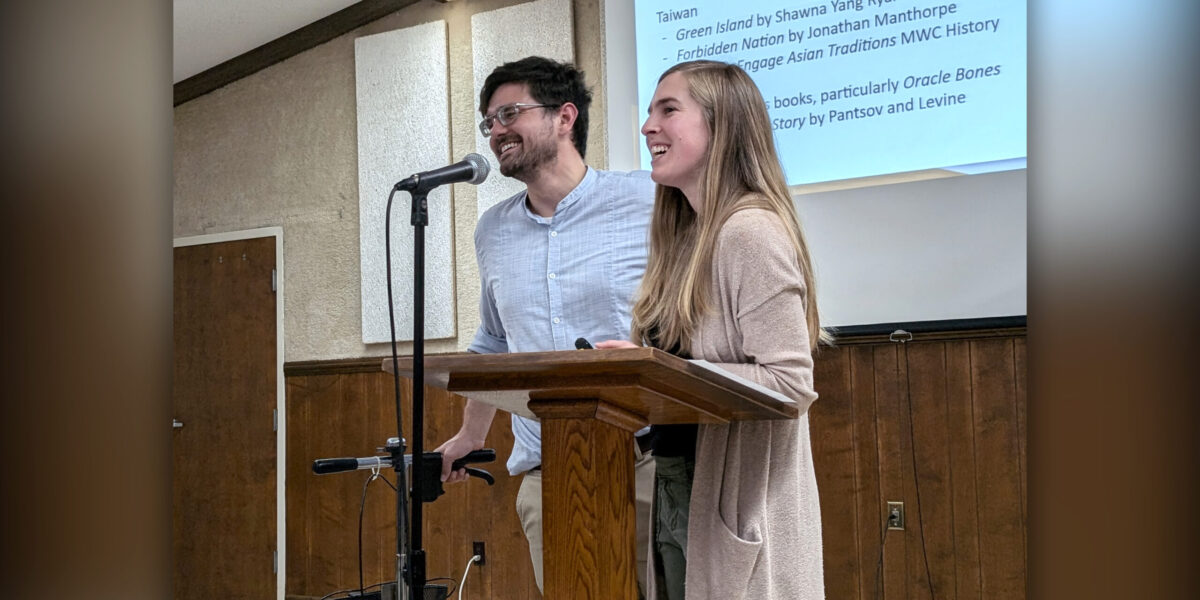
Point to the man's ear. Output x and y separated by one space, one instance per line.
567 113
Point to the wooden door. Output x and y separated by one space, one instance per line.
224 513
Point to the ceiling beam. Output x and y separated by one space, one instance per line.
310 36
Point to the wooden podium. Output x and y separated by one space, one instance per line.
590 403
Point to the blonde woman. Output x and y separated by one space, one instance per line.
729 281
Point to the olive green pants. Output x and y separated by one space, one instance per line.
672 497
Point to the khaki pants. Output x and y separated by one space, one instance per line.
529 510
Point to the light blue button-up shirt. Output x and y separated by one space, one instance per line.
548 281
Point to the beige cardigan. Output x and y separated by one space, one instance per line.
755 524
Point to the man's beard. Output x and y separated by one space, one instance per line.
529 158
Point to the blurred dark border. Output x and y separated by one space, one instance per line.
1113 153
86 329
1113 446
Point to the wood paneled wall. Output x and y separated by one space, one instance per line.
938 425
350 412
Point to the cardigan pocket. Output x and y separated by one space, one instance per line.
733 558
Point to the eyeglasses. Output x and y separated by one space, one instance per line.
507 115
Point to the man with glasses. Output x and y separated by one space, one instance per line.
559 261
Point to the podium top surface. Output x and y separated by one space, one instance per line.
662 387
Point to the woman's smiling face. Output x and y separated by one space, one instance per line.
677 136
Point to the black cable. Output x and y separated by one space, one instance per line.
450 588
401 483
350 593
879 563
389 483
387 250
361 509
912 441
361 512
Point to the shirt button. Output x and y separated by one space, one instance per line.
551 276
556 319
553 234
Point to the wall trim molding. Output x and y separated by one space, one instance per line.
372 364
310 36
337 366
933 336
923 331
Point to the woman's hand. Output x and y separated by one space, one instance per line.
615 344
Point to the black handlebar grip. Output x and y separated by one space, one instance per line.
334 465
474 456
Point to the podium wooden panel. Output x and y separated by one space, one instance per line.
590 403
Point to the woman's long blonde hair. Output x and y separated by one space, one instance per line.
741 171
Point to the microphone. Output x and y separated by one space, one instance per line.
472 169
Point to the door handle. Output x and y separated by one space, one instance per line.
176 424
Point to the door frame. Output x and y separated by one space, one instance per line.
280 420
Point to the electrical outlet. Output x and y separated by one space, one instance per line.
477 548
895 515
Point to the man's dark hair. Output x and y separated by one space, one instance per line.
550 82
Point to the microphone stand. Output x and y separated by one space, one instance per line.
419 191
419 219
410 565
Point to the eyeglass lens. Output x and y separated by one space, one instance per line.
506 115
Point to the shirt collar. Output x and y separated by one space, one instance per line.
581 190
